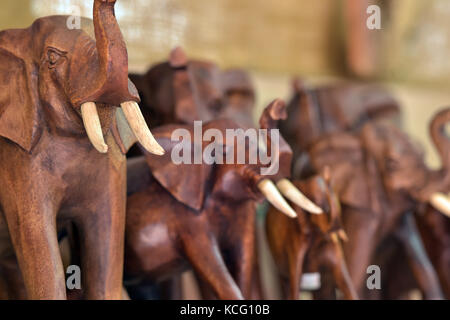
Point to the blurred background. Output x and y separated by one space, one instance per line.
274 40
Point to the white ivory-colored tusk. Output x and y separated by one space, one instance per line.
270 191
93 127
342 235
140 129
291 192
441 202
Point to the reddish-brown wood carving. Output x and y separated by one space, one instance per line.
203 215
311 242
380 176
182 90
62 145
344 107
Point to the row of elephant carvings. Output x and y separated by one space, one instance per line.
70 168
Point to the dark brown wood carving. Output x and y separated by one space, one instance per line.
181 91
311 242
341 107
380 176
202 216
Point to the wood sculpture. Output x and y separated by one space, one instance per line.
402 276
62 146
203 215
182 90
310 242
379 176
344 107
435 231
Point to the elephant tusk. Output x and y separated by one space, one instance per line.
334 237
342 235
270 191
93 128
140 129
441 202
291 192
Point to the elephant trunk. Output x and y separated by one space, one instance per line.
269 119
442 142
111 85
440 138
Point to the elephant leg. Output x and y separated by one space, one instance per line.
172 289
422 268
443 268
296 259
327 287
244 264
285 287
102 231
205 257
4 290
361 228
32 227
336 263
205 289
13 284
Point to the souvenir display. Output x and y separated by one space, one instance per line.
328 196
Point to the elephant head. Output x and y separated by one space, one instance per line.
401 163
317 111
49 71
234 180
182 91
239 97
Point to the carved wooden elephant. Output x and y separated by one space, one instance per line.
203 215
380 176
310 243
62 157
435 231
344 107
399 275
182 91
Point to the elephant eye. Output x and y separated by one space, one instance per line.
53 56
391 164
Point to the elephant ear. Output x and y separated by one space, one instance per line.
19 118
343 152
185 182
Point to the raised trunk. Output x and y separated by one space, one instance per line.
269 120
110 85
439 180
440 138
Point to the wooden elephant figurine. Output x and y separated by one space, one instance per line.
311 242
435 232
62 157
343 107
380 176
203 215
182 91
399 275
